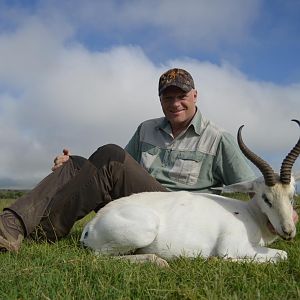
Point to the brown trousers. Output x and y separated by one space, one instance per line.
80 186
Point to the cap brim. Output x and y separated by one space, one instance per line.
185 89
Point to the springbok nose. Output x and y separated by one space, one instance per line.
289 232
83 245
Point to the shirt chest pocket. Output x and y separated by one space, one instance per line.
148 157
186 168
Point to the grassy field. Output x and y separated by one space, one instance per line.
64 270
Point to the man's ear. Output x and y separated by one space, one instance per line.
195 95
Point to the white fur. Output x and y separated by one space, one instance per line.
172 224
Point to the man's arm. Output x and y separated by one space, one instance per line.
231 165
133 146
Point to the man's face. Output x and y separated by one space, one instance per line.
178 106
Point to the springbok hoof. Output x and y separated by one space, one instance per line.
143 258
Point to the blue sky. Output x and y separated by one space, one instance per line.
74 73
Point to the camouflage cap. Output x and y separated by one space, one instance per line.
176 77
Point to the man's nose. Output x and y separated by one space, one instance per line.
175 101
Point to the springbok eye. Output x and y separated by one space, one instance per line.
292 201
267 201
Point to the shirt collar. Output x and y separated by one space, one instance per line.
196 122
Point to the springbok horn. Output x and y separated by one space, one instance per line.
262 165
287 164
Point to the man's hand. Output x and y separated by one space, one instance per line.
61 159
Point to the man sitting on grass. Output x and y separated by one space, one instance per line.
180 151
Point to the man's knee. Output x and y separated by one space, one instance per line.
106 154
78 161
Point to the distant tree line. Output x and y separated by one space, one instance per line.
11 194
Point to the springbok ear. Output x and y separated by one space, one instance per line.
297 175
240 187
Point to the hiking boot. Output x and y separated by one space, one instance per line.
11 232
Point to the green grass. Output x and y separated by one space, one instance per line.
63 270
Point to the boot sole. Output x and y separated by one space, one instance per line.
11 246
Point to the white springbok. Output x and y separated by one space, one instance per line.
165 225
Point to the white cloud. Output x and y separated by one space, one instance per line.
191 23
206 24
55 93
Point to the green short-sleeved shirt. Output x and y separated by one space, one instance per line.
202 157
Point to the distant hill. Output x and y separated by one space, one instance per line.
11 194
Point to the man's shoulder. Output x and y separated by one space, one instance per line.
153 122
210 136
209 130
148 130
211 127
